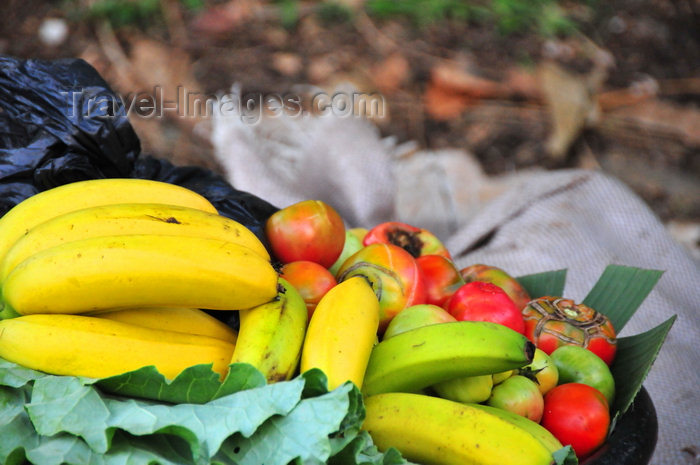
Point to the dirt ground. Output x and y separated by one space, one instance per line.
621 95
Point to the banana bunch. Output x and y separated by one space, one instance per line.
104 276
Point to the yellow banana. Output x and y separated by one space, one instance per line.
271 335
176 319
119 219
342 332
535 429
435 431
421 357
78 345
140 271
78 195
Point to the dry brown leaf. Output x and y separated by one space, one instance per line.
390 74
457 79
442 104
572 103
523 83
287 64
221 19
163 68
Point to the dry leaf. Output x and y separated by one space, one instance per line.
442 104
453 77
571 102
221 19
391 73
287 64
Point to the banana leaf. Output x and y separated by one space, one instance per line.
618 294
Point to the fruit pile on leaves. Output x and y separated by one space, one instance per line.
140 326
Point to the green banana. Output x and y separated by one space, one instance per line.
435 431
271 335
83 194
130 218
140 271
421 357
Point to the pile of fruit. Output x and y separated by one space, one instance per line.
456 366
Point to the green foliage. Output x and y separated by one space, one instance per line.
63 419
334 12
289 13
122 13
544 17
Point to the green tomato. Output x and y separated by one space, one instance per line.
542 370
416 316
579 365
352 244
519 395
470 389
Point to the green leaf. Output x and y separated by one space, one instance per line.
620 291
634 358
362 451
197 384
204 427
65 404
542 284
16 376
16 429
303 433
565 456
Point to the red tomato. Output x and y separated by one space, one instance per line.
497 276
310 230
551 322
416 241
393 274
577 415
441 278
479 301
310 279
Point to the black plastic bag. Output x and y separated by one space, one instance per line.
60 123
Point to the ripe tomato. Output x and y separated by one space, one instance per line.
577 415
479 301
393 274
551 322
310 230
310 279
441 278
416 241
497 276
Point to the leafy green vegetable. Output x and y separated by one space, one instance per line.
63 419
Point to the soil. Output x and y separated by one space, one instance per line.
643 126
